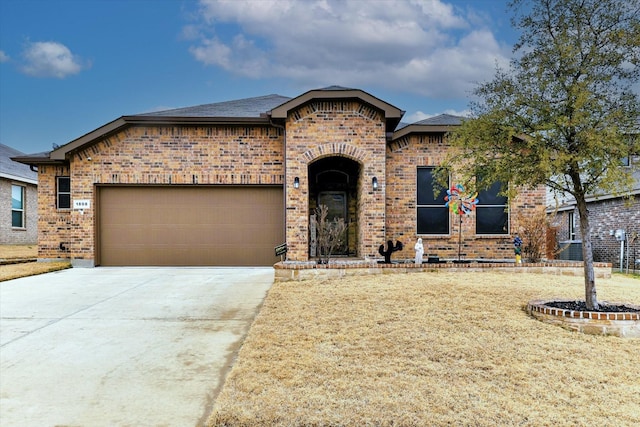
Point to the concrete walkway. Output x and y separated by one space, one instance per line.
122 346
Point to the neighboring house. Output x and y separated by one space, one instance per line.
18 200
608 213
224 183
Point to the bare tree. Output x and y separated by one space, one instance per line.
330 233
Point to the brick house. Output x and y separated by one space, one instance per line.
224 183
607 214
18 200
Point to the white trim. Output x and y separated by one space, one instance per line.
18 178
571 203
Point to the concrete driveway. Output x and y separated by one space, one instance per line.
122 346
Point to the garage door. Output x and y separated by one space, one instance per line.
189 226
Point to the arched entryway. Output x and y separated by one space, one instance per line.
333 181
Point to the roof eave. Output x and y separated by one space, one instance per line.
18 178
60 154
422 129
37 160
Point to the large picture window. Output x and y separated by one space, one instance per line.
17 206
63 192
432 214
492 215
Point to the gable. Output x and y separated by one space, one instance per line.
315 100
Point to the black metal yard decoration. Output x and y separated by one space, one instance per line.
460 203
390 249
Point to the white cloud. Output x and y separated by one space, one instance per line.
50 59
420 46
3 57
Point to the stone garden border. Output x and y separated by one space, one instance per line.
620 324
298 271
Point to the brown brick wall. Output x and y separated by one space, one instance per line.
209 155
404 156
54 226
153 155
561 224
604 216
614 214
330 128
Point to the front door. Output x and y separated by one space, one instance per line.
336 202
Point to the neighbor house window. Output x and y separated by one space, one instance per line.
432 215
64 192
631 141
492 216
17 206
572 226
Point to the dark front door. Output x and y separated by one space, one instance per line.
336 201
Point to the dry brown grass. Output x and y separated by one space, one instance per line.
18 251
429 349
15 271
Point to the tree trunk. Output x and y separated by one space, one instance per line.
591 298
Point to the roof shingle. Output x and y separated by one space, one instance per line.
247 107
15 170
441 120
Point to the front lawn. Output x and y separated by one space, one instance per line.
18 251
15 271
429 349
15 268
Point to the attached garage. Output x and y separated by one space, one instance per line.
189 225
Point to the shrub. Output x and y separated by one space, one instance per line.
330 233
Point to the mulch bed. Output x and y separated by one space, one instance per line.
582 306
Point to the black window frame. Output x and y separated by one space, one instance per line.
63 198
492 203
572 225
22 210
427 203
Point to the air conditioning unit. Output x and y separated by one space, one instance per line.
572 253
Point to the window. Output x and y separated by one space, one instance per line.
64 192
432 215
492 216
632 140
572 226
17 206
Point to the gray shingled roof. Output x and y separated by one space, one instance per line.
335 87
248 107
441 120
14 170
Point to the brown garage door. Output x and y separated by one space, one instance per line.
189 226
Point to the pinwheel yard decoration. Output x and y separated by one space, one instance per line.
461 203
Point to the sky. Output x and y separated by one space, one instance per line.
68 67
